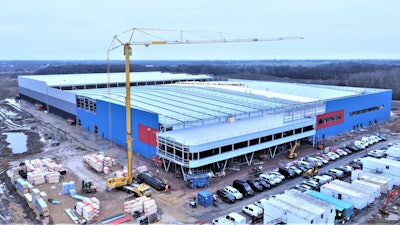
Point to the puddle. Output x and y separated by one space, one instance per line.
17 142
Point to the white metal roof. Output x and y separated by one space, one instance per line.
96 78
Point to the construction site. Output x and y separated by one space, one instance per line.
76 150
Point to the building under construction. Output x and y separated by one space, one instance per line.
194 122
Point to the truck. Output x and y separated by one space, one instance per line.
126 184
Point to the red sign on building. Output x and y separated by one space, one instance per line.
147 135
330 119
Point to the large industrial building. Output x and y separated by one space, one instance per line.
194 123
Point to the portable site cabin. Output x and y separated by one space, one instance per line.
292 215
326 211
387 167
364 184
344 210
393 152
359 200
369 193
385 183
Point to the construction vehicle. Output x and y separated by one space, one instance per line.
88 187
393 194
293 153
116 43
312 171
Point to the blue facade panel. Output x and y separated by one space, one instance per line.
110 121
359 111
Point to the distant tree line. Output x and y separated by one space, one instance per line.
342 73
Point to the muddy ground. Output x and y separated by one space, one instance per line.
41 128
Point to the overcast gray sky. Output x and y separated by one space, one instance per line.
83 29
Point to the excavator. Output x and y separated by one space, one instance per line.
391 194
293 153
125 182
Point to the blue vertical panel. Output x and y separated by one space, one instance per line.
356 104
110 120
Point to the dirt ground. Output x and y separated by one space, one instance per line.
41 128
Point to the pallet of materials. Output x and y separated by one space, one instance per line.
100 162
88 208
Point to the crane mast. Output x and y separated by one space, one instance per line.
117 43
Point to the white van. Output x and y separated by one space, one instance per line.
236 217
253 210
320 179
234 192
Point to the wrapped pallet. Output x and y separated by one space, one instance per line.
21 185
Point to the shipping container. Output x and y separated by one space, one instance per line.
386 184
292 215
294 201
386 167
344 210
328 207
364 184
368 192
359 200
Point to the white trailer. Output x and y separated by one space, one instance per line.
364 184
292 215
369 193
393 152
359 200
387 167
320 211
385 183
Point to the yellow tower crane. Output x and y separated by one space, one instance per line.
117 43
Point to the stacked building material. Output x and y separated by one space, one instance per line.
22 185
99 162
88 208
52 177
142 204
42 207
43 170
35 194
36 177
133 206
67 186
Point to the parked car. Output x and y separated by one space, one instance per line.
243 187
377 153
341 152
296 170
311 160
265 184
303 187
269 178
255 185
313 184
339 173
355 166
383 138
234 192
322 159
277 174
337 151
305 164
300 167
347 150
346 169
353 148
286 171
226 196
329 173
329 178
320 179
333 154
